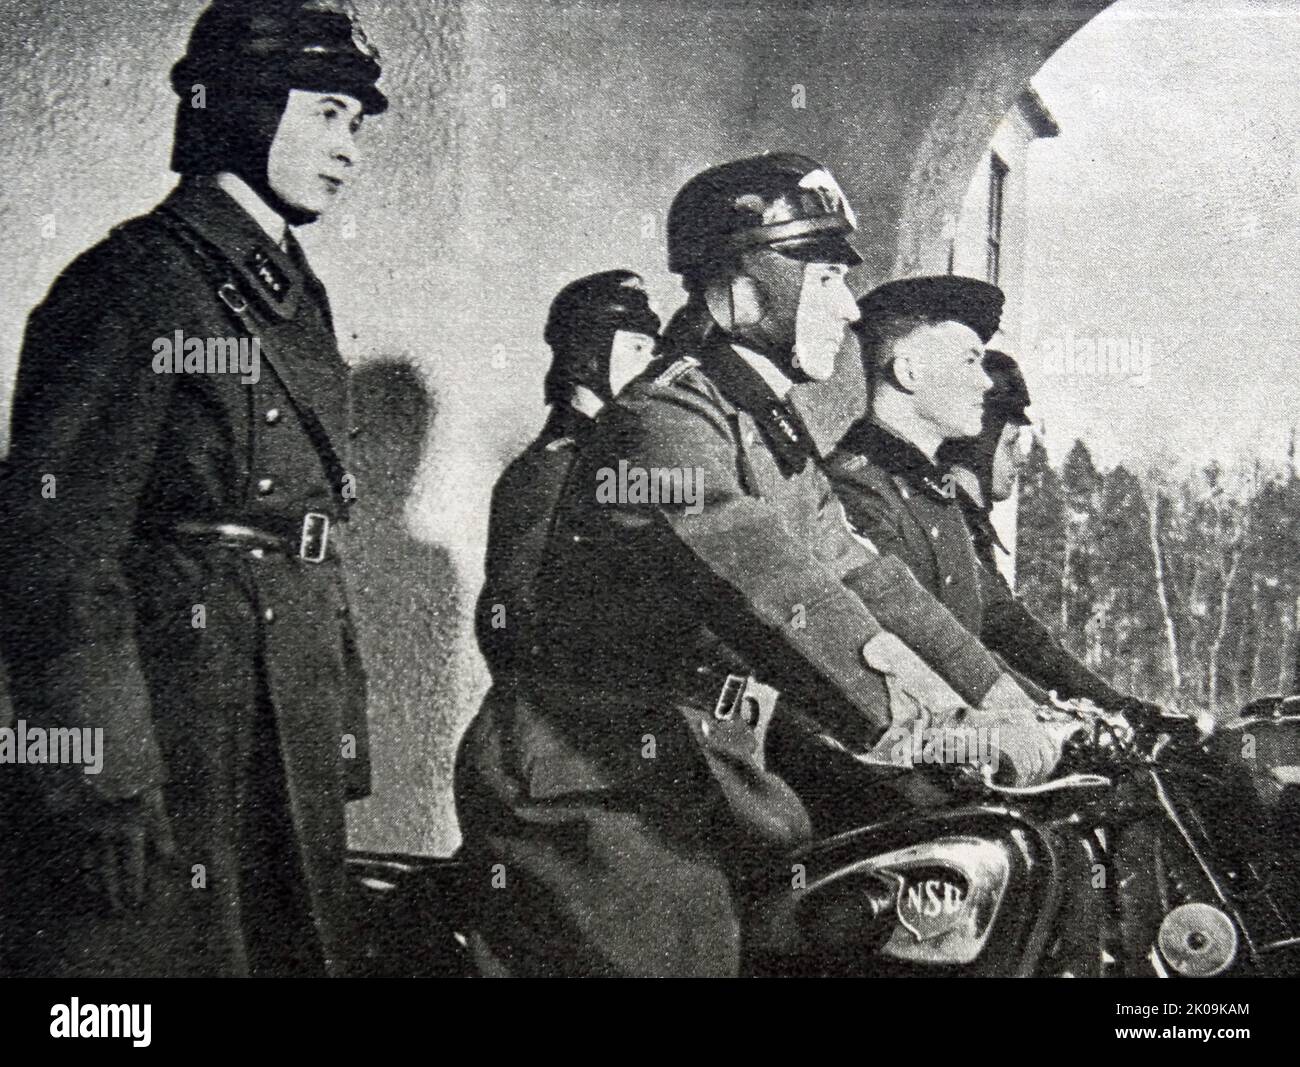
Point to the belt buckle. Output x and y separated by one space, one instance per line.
315 537
729 696
233 298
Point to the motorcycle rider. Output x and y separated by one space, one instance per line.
984 468
602 332
700 585
923 347
932 399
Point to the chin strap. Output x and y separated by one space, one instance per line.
294 216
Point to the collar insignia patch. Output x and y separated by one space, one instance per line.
269 274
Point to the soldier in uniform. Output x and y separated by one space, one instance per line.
173 567
602 332
984 469
612 803
924 346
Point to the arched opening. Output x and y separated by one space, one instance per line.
1146 252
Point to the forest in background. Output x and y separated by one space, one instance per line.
1180 589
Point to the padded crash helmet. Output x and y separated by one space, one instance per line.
580 329
598 304
277 45
780 200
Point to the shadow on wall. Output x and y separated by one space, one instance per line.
404 597
404 601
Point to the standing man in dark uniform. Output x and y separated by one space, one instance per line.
602 332
700 585
172 572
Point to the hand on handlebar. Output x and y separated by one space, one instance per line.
1027 747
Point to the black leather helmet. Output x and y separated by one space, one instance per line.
598 304
1008 397
779 200
580 328
272 45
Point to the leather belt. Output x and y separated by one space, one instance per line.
728 696
306 539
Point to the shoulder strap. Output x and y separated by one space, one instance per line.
236 303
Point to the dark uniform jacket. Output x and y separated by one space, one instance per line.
1017 634
523 506
610 801
909 508
228 676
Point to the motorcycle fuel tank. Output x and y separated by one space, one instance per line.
972 891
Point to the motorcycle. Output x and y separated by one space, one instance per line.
1154 850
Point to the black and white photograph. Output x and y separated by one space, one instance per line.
651 488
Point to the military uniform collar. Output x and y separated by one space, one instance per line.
748 390
983 532
564 421
771 374
900 458
266 273
263 214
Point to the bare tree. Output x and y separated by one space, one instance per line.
1162 593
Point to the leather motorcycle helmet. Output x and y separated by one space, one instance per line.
781 200
243 58
584 317
1008 397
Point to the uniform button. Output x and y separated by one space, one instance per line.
269 615
265 486
906 494
947 579
272 416
257 553
934 532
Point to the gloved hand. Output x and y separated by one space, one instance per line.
120 837
1027 749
